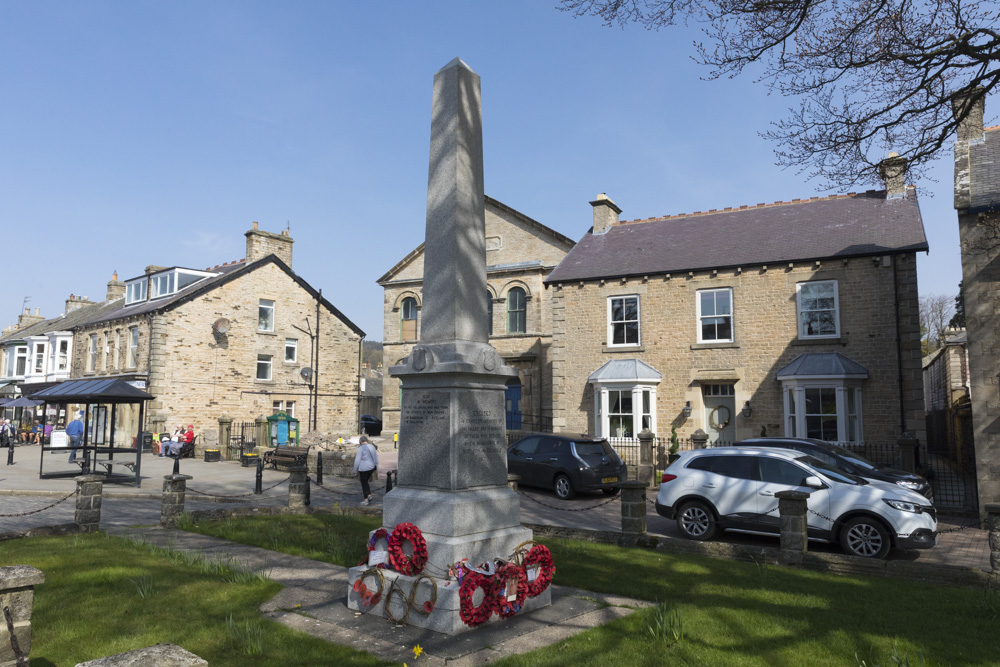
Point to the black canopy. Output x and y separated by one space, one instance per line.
21 402
91 391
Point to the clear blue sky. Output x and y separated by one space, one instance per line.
136 133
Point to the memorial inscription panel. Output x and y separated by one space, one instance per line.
481 439
426 432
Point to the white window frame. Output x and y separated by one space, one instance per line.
850 427
20 360
799 310
265 362
520 314
602 405
290 408
118 348
623 322
92 354
263 306
62 359
133 348
293 345
701 316
135 291
38 366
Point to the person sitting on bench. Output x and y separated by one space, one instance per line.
173 446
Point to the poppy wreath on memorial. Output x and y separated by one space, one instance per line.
504 607
380 534
428 605
368 598
470 614
410 565
539 556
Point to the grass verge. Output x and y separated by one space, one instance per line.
710 611
104 595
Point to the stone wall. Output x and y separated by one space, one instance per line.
766 339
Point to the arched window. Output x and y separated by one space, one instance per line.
408 319
516 311
489 312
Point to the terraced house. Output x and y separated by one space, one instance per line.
244 339
794 318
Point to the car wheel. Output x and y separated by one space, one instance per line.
564 487
610 492
865 537
696 521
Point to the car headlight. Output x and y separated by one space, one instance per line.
903 506
909 484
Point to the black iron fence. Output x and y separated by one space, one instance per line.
242 439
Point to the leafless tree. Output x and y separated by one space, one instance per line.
869 76
936 311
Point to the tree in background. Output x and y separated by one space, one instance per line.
958 319
871 77
936 311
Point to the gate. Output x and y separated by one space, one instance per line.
951 464
243 438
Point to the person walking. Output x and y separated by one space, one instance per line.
74 431
365 463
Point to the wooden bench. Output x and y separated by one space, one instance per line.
286 456
108 464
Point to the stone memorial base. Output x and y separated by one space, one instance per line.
445 618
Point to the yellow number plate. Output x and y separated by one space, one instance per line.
608 480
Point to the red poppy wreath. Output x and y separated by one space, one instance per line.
411 565
504 607
380 534
539 556
472 615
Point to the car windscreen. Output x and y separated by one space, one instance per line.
853 457
829 471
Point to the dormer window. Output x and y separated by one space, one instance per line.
161 284
135 291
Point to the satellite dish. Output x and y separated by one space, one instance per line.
306 373
221 325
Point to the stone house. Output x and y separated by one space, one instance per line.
520 252
946 398
792 318
977 202
234 339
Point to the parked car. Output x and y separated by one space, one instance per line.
371 425
566 463
732 488
848 461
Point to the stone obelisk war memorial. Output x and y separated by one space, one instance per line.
452 482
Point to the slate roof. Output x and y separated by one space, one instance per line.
801 230
625 369
64 322
984 169
822 364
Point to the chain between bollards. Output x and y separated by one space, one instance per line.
319 468
260 478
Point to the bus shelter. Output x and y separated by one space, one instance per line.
112 412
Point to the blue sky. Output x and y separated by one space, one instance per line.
138 133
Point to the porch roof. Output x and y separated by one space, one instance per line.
822 365
625 370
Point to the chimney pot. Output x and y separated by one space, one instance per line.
606 213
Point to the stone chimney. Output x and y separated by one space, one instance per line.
892 170
77 302
26 319
260 244
153 268
116 288
970 132
605 213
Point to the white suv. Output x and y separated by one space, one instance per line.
733 488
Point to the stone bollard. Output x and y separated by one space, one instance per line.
993 525
699 439
263 434
88 502
172 506
907 452
792 507
17 593
634 507
646 457
297 488
512 481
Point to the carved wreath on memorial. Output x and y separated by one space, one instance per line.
713 417
410 565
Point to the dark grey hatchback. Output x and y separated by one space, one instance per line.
566 463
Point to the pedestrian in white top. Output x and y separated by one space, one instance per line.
365 463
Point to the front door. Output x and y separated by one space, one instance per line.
720 412
512 402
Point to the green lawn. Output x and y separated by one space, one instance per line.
105 595
732 613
